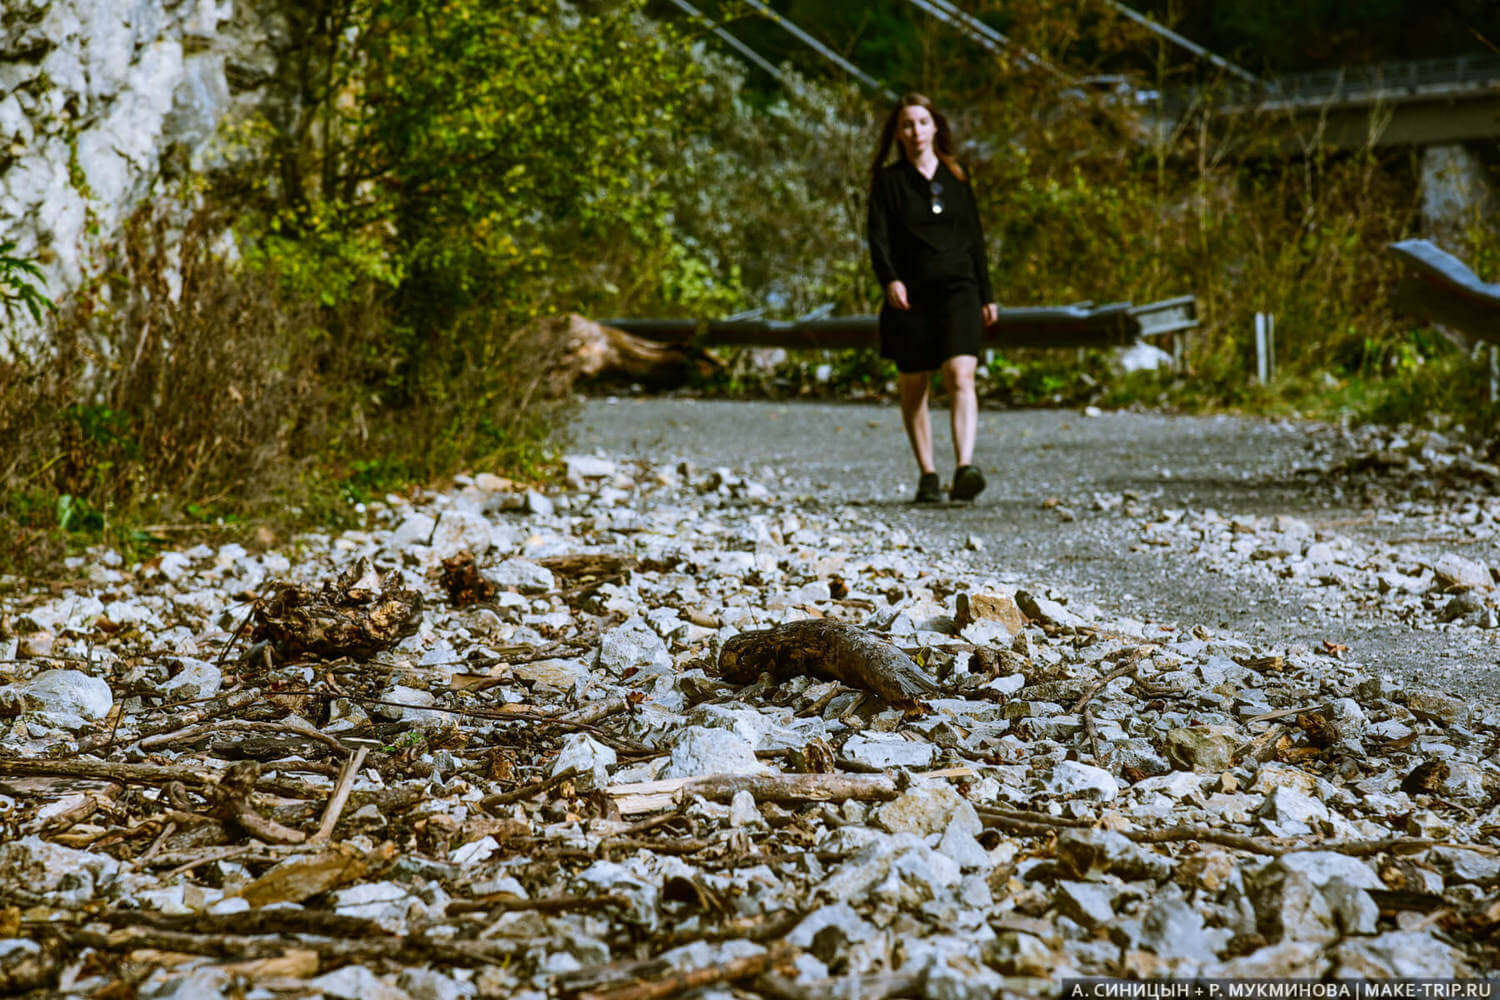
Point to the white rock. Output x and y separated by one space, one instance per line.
173 565
928 807
889 750
355 982
571 676
524 575
1071 779
70 876
959 844
589 467
1140 357
426 984
66 693
1321 867
1395 954
591 758
459 531
475 851
743 812
1289 813
194 680
848 926
409 705
1456 571
699 751
634 644
387 902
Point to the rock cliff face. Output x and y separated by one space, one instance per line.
104 104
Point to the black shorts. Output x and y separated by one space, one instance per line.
945 320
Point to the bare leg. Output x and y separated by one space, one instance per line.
914 416
963 404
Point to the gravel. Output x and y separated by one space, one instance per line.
1410 497
548 790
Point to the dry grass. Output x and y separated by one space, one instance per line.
181 387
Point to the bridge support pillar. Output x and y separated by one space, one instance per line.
1457 195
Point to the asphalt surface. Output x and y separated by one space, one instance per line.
1038 460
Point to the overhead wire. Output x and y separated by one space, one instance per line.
1185 43
732 41
848 67
982 33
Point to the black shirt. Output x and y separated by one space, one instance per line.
914 244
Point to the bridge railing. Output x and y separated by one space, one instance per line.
1353 84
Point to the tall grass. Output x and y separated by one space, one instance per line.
184 387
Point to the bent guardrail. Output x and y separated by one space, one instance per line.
1442 289
1117 324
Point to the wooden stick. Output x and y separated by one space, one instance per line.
526 791
757 927
1099 685
1088 725
218 854
340 795
680 982
220 705
504 903
647 796
413 948
1030 823
298 727
593 713
161 838
137 774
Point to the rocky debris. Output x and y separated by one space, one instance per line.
562 787
1425 554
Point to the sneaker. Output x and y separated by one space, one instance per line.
929 489
968 483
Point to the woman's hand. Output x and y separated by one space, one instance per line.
991 313
895 294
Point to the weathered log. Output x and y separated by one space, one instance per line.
579 349
784 789
586 565
830 650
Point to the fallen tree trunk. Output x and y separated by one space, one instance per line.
830 650
579 349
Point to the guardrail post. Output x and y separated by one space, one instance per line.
1265 347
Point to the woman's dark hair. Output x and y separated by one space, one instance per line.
942 143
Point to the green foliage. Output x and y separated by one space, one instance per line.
21 285
456 154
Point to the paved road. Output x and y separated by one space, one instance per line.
857 454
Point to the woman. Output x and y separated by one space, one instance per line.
928 251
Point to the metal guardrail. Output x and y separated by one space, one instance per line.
1084 325
1441 289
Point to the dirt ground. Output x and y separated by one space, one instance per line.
1040 460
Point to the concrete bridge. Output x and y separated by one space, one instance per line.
1426 103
